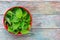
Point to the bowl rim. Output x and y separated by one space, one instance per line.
6 27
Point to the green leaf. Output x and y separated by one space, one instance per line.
18 13
15 31
15 19
25 32
28 19
15 25
25 13
19 29
10 29
9 13
8 20
26 26
22 25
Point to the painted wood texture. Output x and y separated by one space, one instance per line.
46 20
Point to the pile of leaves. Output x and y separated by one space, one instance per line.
18 20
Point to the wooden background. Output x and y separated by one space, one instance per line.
46 20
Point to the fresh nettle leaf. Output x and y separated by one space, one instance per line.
20 28
10 29
26 26
22 25
24 31
29 27
19 13
15 26
8 20
28 19
25 14
9 13
15 31
15 19
14 10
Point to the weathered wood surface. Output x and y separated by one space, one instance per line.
44 14
46 20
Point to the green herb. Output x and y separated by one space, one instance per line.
10 29
18 20
9 13
8 20
24 13
15 26
15 31
15 19
19 13
24 31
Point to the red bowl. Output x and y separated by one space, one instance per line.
6 27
